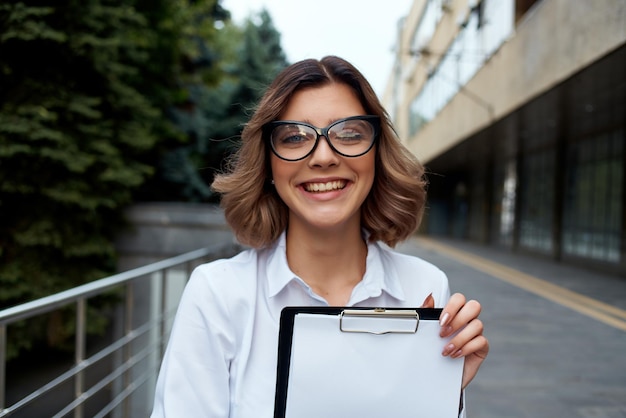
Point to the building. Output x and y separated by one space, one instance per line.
517 108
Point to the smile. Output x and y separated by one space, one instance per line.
325 187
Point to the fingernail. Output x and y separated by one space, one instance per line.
448 349
457 354
444 319
445 331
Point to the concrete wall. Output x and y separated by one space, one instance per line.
556 39
163 230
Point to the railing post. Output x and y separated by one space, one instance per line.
3 360
162 309
128 328
79 353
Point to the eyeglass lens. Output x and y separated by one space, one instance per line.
351 138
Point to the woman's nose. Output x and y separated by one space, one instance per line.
323 155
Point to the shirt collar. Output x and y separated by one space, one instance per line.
380 274
278 272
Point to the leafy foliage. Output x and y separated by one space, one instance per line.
80 107
71 127
213 114
103 102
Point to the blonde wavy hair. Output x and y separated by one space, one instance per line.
394 207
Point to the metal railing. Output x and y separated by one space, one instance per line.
135 353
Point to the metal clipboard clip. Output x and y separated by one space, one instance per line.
379 321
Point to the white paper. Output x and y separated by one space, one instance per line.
338 374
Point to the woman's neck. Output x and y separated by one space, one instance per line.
331 262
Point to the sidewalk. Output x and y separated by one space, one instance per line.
549 358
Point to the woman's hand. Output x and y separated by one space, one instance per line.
461 317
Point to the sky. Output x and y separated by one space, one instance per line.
361 31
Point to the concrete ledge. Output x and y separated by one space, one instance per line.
161 230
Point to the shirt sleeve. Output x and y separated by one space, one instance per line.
194 375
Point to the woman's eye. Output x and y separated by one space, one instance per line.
293 139
349 136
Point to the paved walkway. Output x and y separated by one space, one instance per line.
557 333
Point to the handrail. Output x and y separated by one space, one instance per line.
49 303
123 346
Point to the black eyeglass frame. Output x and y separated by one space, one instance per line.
269 127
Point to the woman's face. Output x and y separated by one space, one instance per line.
324 190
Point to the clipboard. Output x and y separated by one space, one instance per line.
343 362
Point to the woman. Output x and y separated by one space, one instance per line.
318 185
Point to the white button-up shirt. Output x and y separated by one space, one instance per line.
222 353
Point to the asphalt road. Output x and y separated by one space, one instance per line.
557 333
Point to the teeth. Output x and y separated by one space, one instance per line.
325 187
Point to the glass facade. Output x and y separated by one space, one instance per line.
593 197
556 172
593 209
503 204
537 202
489 23
427 25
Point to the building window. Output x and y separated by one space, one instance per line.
506 221
593 198
428 24
479 37
537 201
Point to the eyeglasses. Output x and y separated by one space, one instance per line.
349 137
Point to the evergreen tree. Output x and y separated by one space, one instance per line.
261 59
82 88
95 97
249 57
177 176
258 61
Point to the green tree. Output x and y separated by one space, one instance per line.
258 60
82 88
261 59
249 57
199 24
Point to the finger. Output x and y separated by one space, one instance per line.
468 312
474 361
477 348
429 302
458 346
465 341
455 303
